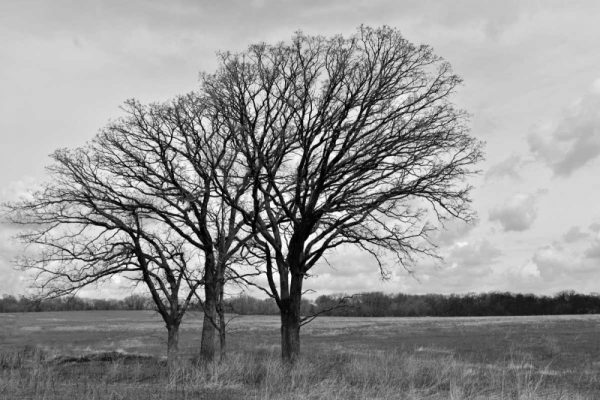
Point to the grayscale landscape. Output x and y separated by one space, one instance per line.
299 200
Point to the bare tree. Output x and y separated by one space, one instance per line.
176 155
159 161
351 141
84 229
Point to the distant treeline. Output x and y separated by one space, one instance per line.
9 304
374 304
377 304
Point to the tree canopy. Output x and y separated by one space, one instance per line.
350 141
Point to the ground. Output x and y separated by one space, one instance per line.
120 355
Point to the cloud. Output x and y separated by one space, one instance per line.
12 281
463 262
466 266
555 267
491 18
552 261
518 213
480 253
20 189
453 231
570 263
593 251
527 271
508 168
574 141
575 234
575 264
352 271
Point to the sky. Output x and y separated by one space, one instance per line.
531 73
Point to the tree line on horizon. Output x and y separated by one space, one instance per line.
370 304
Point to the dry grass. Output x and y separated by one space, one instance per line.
120 355
35 374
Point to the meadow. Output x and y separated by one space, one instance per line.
121 355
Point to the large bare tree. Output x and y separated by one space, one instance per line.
351 141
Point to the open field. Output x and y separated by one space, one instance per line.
497 357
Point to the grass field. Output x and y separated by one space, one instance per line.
120 355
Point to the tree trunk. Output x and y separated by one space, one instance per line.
290 337
172 347
222 338
290 322
221 313
207 343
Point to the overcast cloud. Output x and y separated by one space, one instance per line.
575 140
518 213
531 85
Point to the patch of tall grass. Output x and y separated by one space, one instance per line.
32 373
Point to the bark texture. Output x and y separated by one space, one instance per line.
207 343
172 347
290 321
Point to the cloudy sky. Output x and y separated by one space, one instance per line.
532 85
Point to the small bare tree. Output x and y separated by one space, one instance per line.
84 228
351 141
159 164
176 155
